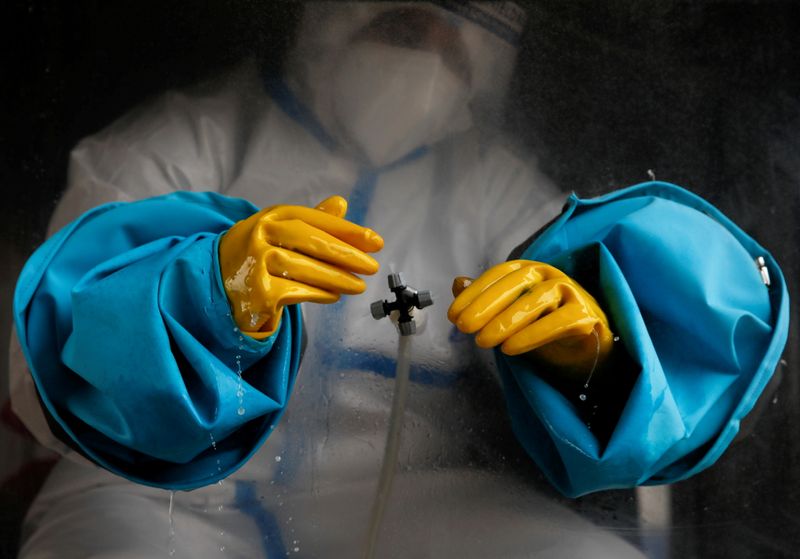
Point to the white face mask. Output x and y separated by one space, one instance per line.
389 100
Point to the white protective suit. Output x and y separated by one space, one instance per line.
462 488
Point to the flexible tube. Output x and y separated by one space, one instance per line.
392 445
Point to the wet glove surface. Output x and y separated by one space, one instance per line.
284 255
523 306
536 311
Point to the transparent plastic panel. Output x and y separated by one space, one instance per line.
456 131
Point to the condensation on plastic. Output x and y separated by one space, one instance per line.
463 487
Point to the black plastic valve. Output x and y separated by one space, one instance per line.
406 299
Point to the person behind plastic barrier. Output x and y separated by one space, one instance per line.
164 337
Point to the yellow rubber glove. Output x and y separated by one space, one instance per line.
292 254
532 306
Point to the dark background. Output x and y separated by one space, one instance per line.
704 94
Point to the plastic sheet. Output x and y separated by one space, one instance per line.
682 288
128 333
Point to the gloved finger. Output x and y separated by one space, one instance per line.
299 267
335 206
460 283
263 322
569 320
305 238
293 292
362 238
496 298
541 299
472 291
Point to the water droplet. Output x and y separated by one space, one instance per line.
616 338
277 458
582 397
296 549
240 411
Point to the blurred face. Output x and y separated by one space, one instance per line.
402 82
420 29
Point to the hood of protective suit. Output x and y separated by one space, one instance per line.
488 32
